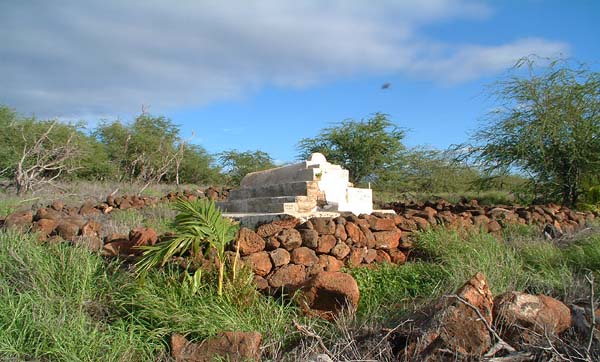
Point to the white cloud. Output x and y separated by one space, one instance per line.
71 58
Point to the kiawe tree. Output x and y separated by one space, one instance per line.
546 124
365 148
237 164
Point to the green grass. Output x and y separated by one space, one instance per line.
63 303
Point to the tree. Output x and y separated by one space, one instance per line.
148 150
196 166
238 164
37 153
365 148
547 125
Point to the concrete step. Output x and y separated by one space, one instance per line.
270 204
302 188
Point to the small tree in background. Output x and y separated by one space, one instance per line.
546 124
238 164
365 148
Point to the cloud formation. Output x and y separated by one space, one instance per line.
71 58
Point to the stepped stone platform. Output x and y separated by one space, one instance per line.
303 190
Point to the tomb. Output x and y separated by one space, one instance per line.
310 188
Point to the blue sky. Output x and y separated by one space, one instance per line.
262 75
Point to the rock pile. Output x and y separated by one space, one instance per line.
559 219
472 324
286 253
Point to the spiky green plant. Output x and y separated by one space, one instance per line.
198 226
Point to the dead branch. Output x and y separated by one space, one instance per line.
307 332
501 344
590 280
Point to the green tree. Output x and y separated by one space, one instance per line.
39 152
236 164
366 148
148 150
196 166
547 125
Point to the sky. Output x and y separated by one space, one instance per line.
250 75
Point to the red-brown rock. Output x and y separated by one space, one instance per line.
451 325
340 231
288 277
226 346
330 263
523 317
67 229
143 236
310 238
290 239
355 234
304 256
44 227
91 228
280 257
325 244
381 224
340 250
19 220
259 262
387 239
382 257
357 255
249 242
328 293
398 257
323 225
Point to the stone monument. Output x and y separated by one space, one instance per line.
301 190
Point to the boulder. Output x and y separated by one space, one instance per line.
330 264
304 256
328 293
91 242
290 239
323 225
280 257
57 205
91 229
381 224
67 229
249 242
226 346
88 209
310 238
325 244
523 317
44 227
340 250
354 233
288 277
51 214
340 231
19 220
450 325
260 263
143 236
387 239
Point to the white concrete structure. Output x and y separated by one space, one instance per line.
300 189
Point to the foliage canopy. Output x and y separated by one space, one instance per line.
365 148
546 124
